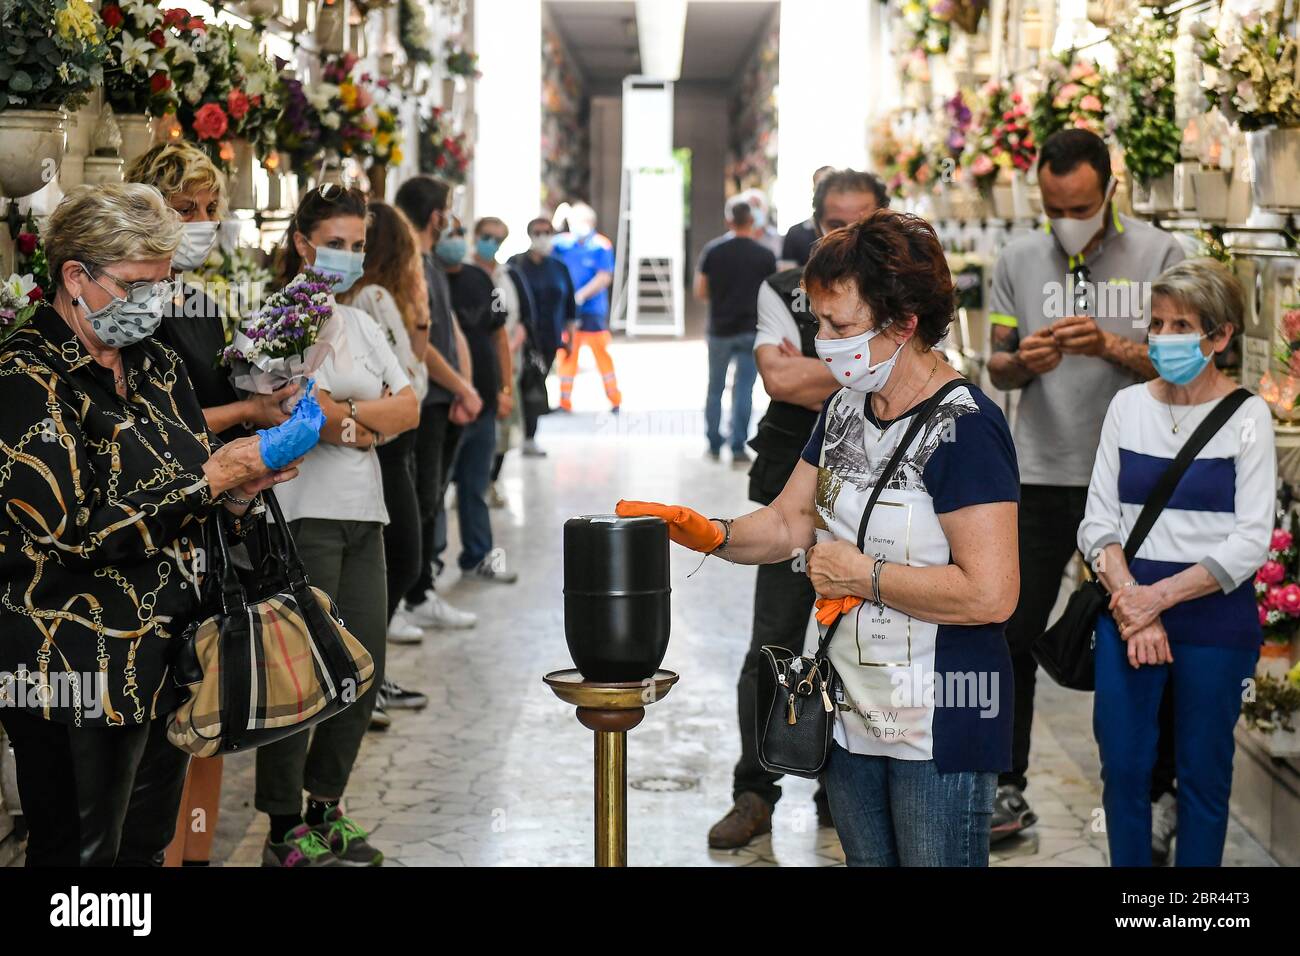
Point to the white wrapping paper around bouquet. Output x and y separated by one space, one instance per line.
265 374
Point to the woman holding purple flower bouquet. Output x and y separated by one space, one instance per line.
335 510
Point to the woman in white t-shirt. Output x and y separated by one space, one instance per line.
923 715
336 513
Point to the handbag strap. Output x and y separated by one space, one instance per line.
919 422
1164 488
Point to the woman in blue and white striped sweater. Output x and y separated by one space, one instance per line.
1184 610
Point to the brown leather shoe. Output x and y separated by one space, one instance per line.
750 817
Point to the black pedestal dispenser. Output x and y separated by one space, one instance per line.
616 596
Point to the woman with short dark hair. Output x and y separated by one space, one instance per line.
923 722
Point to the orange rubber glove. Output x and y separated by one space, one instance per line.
688 528
828 609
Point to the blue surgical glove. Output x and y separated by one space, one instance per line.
292 439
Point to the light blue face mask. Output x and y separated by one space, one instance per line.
450 250
343 266
487 247
1178 358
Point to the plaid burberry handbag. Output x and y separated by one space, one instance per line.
262 669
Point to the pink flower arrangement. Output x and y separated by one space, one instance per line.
1277 591
1271 573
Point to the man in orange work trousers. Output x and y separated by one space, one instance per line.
589 257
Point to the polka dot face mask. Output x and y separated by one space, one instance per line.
850 361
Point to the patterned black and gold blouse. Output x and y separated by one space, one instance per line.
104 502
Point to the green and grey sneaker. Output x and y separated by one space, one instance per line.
347 841
302 846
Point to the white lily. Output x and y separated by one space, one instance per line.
135 51
144 13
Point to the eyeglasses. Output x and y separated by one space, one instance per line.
137 293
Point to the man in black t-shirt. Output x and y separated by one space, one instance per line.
474 301
731 269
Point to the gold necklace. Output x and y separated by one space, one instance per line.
933 368
1175 422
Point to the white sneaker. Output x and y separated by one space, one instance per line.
435 612
402 630
493 568
532 449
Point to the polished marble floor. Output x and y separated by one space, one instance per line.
496 770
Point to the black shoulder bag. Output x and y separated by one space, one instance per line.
1065 650
794 735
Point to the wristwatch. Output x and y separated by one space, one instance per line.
352 409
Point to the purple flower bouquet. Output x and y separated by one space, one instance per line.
288 338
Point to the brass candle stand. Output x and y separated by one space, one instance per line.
610 711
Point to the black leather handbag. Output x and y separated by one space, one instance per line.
1066 649
794 733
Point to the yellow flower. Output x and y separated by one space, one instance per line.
382 139
348 94
75 21
396 155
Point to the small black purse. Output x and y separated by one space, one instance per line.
1066 649
794 736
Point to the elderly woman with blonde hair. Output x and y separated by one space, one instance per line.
193 323
107 479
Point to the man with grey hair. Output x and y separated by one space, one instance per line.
1067 358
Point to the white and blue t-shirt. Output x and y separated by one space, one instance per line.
909 688
1220 514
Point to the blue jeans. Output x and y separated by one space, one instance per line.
1207 683
473 472
906 813
722 350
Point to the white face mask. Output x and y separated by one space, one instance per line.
197 241
1075 234
850 361
542 245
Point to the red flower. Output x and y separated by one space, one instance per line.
159 81
158 38
112 15
210 121
175 17
256 99
36 294
27 242
196 25
237 103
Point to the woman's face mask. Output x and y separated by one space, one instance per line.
450 250
487 247
197 241
343 266
1177 357
128 319
849 359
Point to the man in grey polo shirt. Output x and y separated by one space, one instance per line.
1067 331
